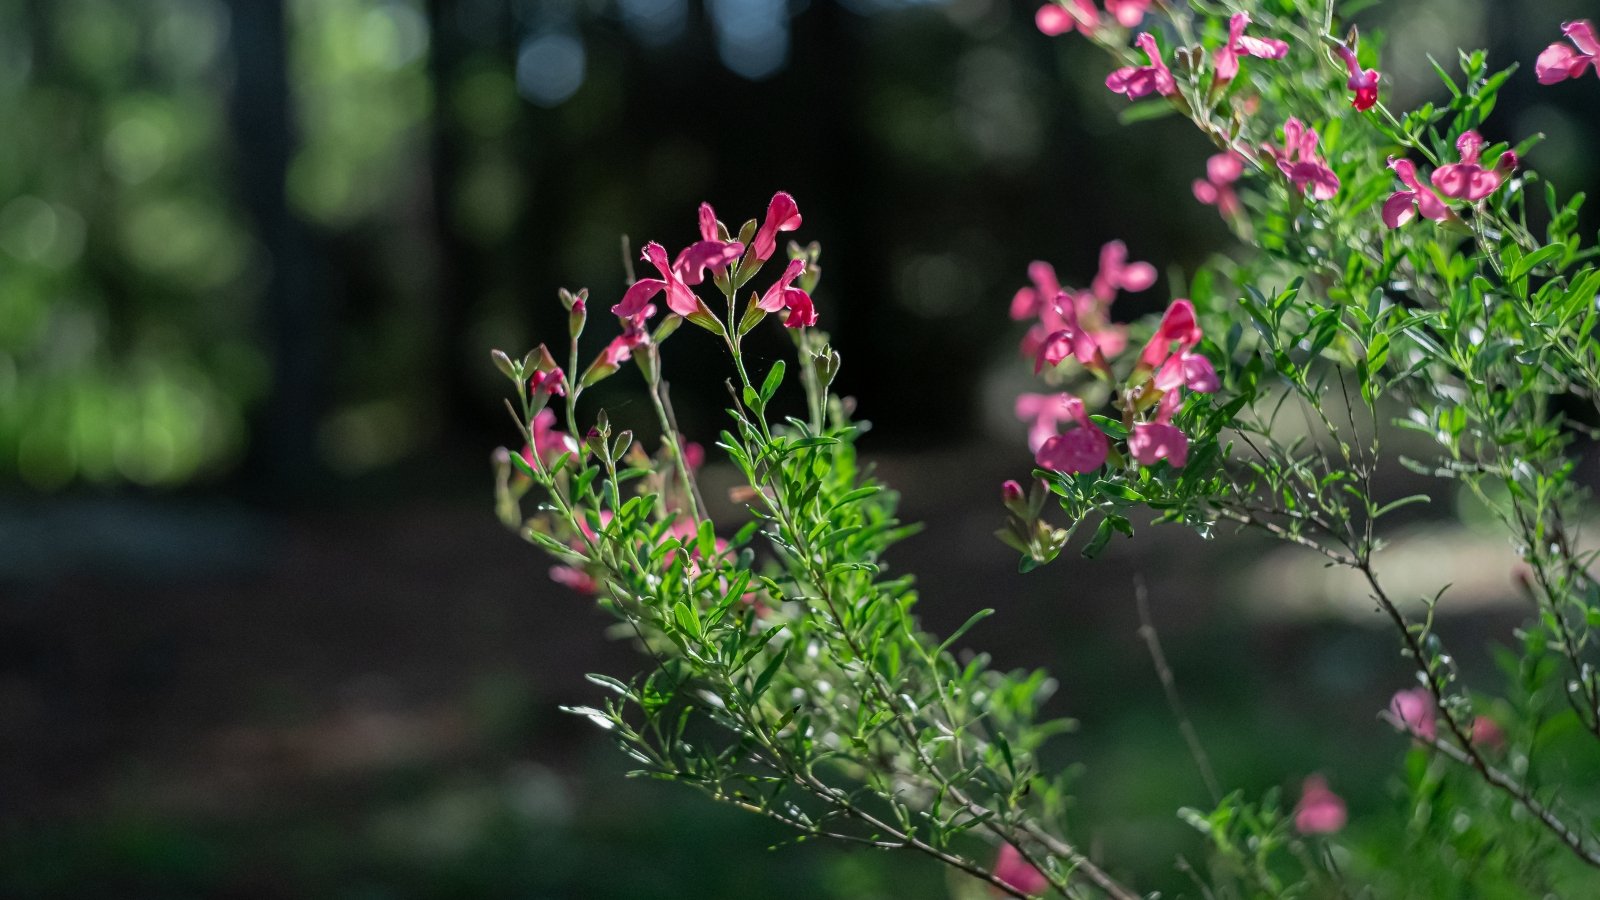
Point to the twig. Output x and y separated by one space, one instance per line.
1152 641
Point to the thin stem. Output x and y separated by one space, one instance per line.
1147 630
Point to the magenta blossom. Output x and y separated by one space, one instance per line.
1216 189
1300 163
782 295
1158 439
1054 19
1227 56
633 335
782 215
1117 274
1046 412
553 382
1030 301
1559 62
1128 13
1363 81
680 299
1010 492
1404 205
1177 325
1415 710
1187 369
1487 734
1081 449
1320 810
1017 872
1467 180
548 443
710 252
1071 339
1137 81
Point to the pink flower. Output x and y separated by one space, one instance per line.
633 335
1363 81
1010 492
1227 56
1029 301
574 578
1071 338
1054 19
1415 710
1081 449
1187 369
1137 81
1017 872
1150 442
680 299
1559 62
1320 810
782 294
1300 163
1128 13
1467 180
1047 412
1403 206
1216 189
547 441
1487 734
1177 325
782 215
553 382
1116 273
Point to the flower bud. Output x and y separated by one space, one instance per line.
1010 492
504 364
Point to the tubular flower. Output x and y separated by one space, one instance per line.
1017 872
1559 62
1227 56
1363 81
1046 412
1137 81
680 299
1117 274
1128 13
1415 710
782 215
1071 339
1320 810
1054 18
783 295
1031 301
1081 449
1467 180
1216 189
553 382
1404 205
1158 439
633 335
1300 163
1178 325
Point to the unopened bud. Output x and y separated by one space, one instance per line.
1010 493
504 364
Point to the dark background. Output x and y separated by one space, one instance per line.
260 635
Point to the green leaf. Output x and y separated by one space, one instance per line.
774 379
687 620
977 617
1533 260
1143 112
1102 537
767 672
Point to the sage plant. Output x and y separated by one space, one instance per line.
1393 270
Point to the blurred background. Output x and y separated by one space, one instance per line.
260 634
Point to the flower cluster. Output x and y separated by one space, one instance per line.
1464 180
1060 18
1061 434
